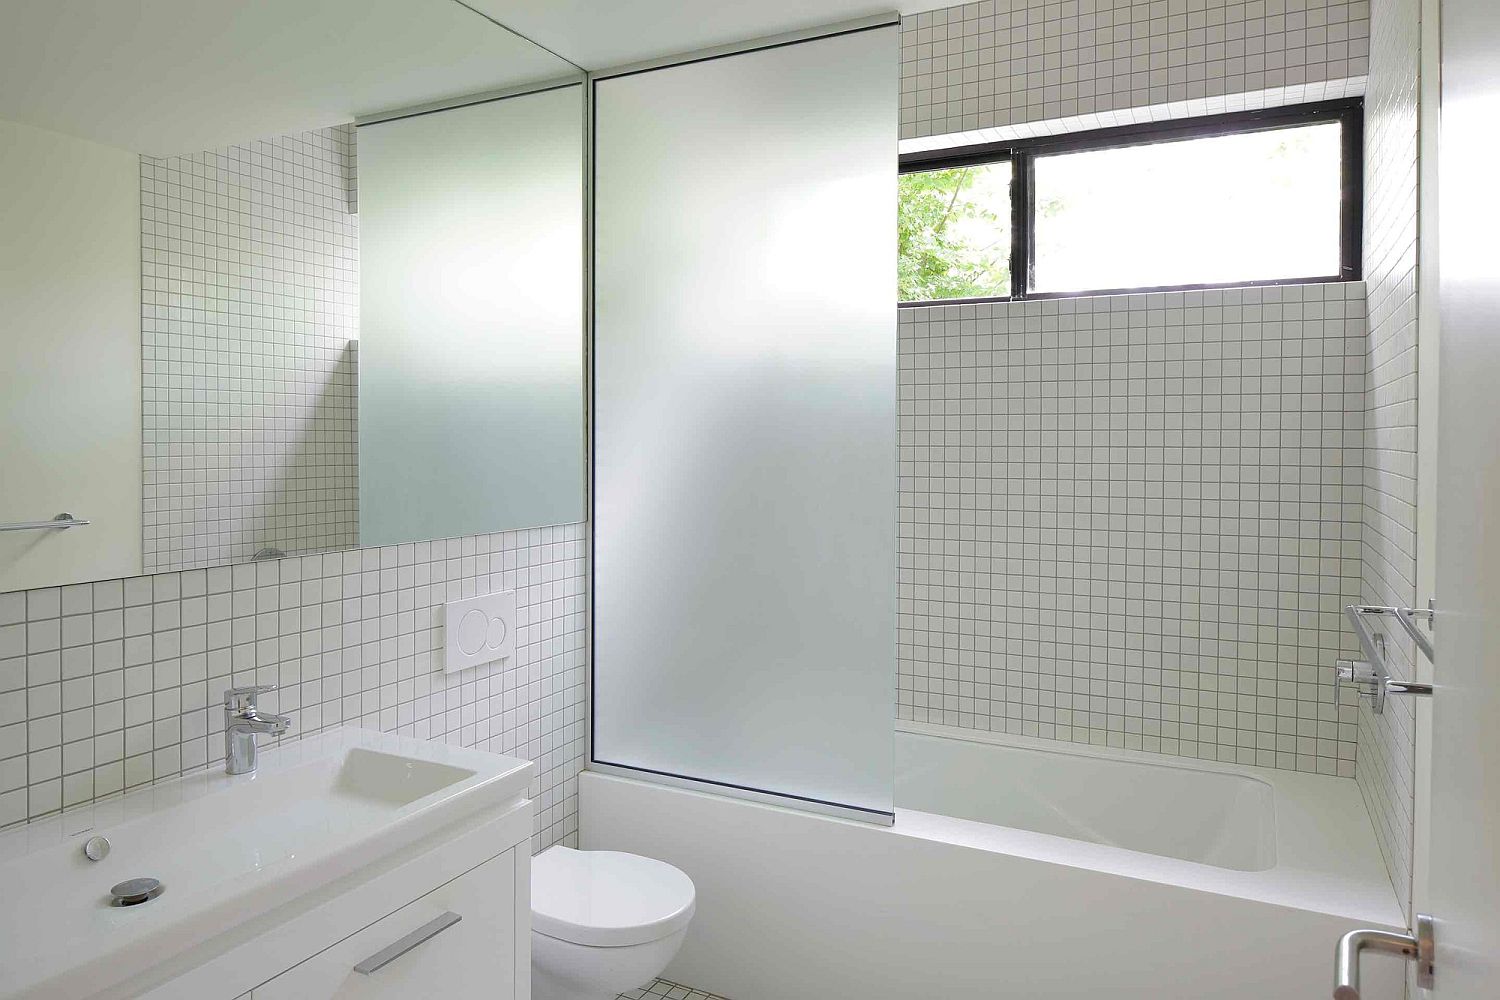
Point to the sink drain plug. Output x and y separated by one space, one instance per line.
134 891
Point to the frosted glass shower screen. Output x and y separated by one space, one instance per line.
745 421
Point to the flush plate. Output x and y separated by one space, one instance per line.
479 630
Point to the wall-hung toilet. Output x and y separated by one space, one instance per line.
603 922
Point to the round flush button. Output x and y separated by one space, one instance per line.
472 629
496 635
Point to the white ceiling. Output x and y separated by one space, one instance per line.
601 34
172 76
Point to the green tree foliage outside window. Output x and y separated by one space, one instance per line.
953 238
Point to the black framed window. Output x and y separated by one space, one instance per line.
1252 198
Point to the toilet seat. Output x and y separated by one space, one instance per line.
607 899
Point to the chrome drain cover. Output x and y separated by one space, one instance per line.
134 891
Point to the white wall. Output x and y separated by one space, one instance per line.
70 388
999 69
1131 520
111 685
1388 542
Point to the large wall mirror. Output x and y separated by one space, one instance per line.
272 283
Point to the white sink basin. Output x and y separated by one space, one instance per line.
227 849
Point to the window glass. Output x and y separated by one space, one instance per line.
954 233
1248 207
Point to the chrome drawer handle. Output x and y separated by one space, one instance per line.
396 949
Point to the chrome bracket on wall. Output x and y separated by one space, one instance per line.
1372 675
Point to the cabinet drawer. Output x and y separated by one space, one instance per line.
420 950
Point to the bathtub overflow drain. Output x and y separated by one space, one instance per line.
134 891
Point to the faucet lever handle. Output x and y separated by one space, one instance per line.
237 699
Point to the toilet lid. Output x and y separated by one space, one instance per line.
607 899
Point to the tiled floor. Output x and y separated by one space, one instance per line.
663 990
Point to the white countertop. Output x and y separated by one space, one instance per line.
228 849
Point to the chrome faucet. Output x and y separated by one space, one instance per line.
242 721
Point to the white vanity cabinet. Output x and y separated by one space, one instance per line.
391 932
460 939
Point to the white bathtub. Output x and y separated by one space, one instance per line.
1020 868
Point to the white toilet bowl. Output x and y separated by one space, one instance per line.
603 922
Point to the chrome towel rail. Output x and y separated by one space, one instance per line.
1371 643
64 520
1372 675
1405 616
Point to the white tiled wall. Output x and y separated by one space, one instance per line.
110 685
1387 741
250 298
1006 68
1133 520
